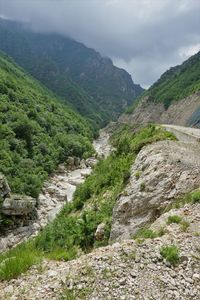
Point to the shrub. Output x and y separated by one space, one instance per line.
171 254
147 233
174 219
196 197
142 186
185 225
137 175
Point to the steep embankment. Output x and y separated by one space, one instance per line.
92 84
173 99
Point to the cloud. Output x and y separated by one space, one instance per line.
145 37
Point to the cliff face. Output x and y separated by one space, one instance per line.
162 172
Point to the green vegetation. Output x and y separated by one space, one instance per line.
174 219
37 132
137 175
195 197
192 198
185 225
171 254
147 233
18 260
178 82
142 186
73 231
89 82
175 84
178 220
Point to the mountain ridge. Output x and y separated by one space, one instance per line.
80 75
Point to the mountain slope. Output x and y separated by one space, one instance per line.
174 98
37 132
91 83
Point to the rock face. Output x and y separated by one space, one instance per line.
185 112
18 205
162 172
4 187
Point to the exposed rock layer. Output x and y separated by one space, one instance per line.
184 112
162 172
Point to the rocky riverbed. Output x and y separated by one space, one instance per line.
58 190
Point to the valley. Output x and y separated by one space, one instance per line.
99 178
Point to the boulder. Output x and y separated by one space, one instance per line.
4 186
91 162
99 234
70 161
18 205
163 172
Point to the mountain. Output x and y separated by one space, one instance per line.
174 98
80 75
37 132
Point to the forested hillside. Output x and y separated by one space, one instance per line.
37 132
80 75
178 82
173 99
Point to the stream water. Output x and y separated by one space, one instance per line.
58 190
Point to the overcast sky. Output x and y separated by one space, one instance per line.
145 37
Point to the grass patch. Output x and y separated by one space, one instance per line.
18 260
190 198
171 254
195 196
76 294
147 233
174 219
185 225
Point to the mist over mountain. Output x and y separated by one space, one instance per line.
80 75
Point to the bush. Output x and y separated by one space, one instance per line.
174 219
171 254
196 197
147 233
142 186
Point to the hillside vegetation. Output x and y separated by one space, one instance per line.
37 132
80 75
175 84
73 231
178 82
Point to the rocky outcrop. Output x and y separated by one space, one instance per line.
13 204
18 205
185 112
162 172
122 271
4 187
